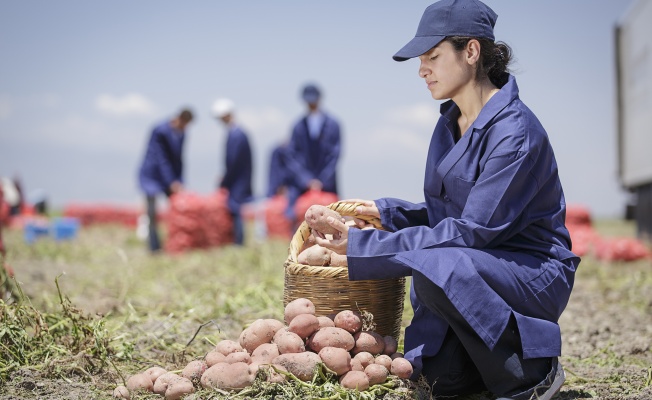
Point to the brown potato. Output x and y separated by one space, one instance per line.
397 355
274 324
154 373
304 325
271 375
310 241
376 373
325 321
140 382
179 388
259 332
316 255
238 356
356 365
121 392
365 358
296 307
338 260
401 368
227 347
194 370
349 321
336 359
265 353
355 380
331 337
213 357
228 376
162 382
391 345
302 365
368 341
316 217
289 342
384 360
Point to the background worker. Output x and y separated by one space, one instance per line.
162 167
488 249
277 174
238 166
313 151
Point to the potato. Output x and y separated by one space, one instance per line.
401 368
228 376
265 353
391 345
289 342
376 373
331 337
227 347
316 217
349 321
368 341
325 321
315 255
355 380
213 357
296 307
238 356
139 382
365 358
304 325
384 360
154 373
162 382
179 388
356 365
338 260
194 370
302 365
309 242
336 359
271 375
274 324
259 332
397 355
121 392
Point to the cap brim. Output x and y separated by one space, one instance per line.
417 46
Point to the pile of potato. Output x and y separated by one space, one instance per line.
297 346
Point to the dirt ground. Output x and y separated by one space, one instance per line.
606 333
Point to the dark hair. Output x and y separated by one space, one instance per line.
185 115
494 58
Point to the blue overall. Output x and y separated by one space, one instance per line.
237 177
277 171
307 158
490 233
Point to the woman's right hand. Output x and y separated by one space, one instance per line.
367 208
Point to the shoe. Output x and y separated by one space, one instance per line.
547 389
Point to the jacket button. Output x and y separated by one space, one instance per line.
446 198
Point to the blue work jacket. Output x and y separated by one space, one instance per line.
490 233
277 171
163 162
308 158
239 167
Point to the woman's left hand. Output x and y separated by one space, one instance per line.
340 240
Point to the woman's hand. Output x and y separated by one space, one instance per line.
368 208
340 239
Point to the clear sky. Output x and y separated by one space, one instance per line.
82 84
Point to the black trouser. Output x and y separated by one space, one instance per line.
464 364
152 237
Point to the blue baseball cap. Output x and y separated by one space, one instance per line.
449 18
310 94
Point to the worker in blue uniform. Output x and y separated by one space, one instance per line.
238 166
313 152
277 174
488 250
162 168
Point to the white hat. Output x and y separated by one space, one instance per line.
222 107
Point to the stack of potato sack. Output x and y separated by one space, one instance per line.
296 346
309 198
195 221
91 214
278 224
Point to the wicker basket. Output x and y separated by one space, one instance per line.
331 291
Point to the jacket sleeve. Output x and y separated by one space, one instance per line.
501 193
162 154
397 214
332 150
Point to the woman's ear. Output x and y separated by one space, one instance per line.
472 51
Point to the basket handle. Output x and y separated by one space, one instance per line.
345 209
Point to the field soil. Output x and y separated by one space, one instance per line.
167 310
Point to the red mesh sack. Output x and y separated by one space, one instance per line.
309 198
278 224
